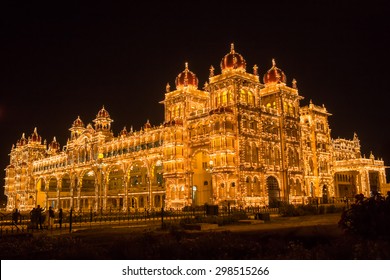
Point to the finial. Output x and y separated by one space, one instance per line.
186 65
255 69
206 84
273 62
23 135
311 102
232 48
294 84
167 87
131 129
35 130
54 139
211 71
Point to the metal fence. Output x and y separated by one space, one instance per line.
83 219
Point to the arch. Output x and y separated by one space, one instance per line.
273 191
298 187
201 170
115 178
138 175
325 193
52 184
88 181
256 187
65 183
41 195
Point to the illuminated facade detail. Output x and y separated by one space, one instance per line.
239 141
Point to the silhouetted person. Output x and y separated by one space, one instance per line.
15 216
60 216
51 216
39 216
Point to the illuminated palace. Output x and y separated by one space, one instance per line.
239 141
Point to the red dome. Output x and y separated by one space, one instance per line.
186 78
103 113
54 145
35 136
233 61
78 122
274 75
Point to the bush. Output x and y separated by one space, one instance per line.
368 217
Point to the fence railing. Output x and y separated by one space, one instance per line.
83 219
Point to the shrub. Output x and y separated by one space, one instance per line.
368 217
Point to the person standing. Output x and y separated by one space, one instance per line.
39 216
51 218
15 216
60 216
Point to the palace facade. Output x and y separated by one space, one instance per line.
239 141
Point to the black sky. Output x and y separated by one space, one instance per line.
66 59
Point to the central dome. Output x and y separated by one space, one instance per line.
274 75
233 61
186 78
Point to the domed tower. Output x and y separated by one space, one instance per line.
233 61
77 128
103 121
54 147
186 99
274 75
186 79
35 138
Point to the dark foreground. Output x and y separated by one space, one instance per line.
307 237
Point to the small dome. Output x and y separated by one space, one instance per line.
274 75
147 125
103 113
123 132
78 122
54 145
35 136
233 61
23 141
186 78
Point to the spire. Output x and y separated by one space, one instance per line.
211 71
294 84
273 62
232 48
255 69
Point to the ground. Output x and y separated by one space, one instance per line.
304 237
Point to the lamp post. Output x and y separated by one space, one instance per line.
100 165
211 164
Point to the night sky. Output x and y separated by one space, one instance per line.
62 60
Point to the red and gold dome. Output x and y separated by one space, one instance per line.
35 137
186 78
78 122
103 113
274 75
233 61
54 145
